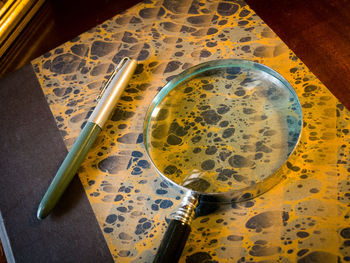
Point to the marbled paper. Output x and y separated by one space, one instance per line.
303 219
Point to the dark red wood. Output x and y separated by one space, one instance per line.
57 22
317 31
319 34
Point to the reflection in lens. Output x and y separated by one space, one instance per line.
224 129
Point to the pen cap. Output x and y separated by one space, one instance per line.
112 91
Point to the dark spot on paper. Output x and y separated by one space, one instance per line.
108 230
173 140
223 155
165 204
205 54
212 31
245 39
208 86
239 161
263 220
319 256
248 110
124 236
143 55
240 92
159 131
225 174
162 114
188 90
310 88
148 12
135 20
345 233
111 218
210 117
211 150
244 13
129 138
222 109
227 9
261 250
124 253
302 234
234 238
302 252
172 65
224 124
196 138
261 147
80 49
208 165
113 164
100 48
177 129
170 169
65 64
199 257
197 20
228 133
197 184
120 114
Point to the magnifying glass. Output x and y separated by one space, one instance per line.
221 131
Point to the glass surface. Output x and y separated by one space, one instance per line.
224 128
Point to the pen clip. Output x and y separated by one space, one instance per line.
115 71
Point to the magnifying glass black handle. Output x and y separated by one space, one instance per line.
173 242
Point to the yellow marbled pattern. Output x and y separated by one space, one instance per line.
305 216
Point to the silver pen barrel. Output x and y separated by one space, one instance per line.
112 91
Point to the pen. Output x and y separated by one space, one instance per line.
107 101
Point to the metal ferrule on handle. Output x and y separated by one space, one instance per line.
186 212
178 230
112 91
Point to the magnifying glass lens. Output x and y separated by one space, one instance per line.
223 129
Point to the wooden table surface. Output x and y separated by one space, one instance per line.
317 31
319 34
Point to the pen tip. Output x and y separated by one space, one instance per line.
40 213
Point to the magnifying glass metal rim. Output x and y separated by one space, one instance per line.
248 192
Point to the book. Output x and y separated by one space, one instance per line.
31 151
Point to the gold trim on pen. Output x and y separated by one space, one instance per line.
112 91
